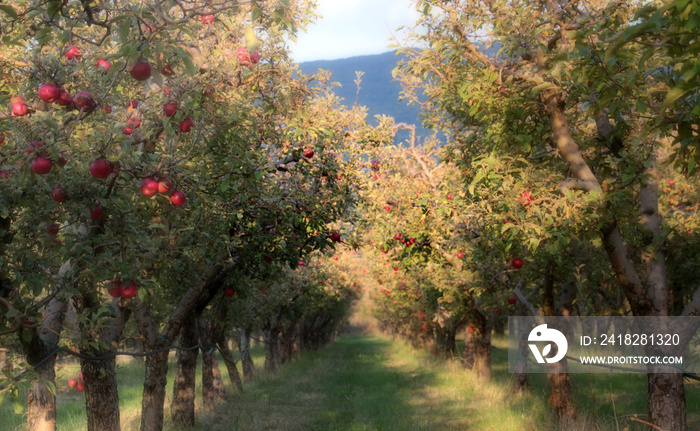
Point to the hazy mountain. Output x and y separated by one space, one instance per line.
379 92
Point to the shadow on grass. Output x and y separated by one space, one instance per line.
357 383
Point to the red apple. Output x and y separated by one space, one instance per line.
512 300
471 330
671 183
449 197
114 289
167 70
133 104
495 310
388 208
104 64
149 187
83 100
128 291
49 92
525 197
517 263
65 99
169 109
141 70
58 194
73 53
229 291
335 237
95 212
186 125
107 108
35 145
460 255
52 229
207 19
127 130
4 174
135 122
254 57
301 263
80 387
177 198
72 383
19 109
308 152
41 165
101 168
164 185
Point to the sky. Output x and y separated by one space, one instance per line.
348 28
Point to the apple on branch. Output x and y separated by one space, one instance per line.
141 70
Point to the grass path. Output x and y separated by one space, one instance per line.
367 382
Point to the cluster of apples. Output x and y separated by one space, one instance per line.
77 384
116 290
150 186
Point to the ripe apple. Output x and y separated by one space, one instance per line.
254 57
72 383
107 108
73 53
471 330
41 165
449 197
101 168
135 122
167 70
58 194
335 237
114 289
141 70
95 212
517 263
186 125
397 236
65 99
671 183
177 198
207 19
80 387
149 187
525 197
460 255
512 300
229 291
35 145
128 291
308 152
52 229
169 109
127 130
49 92
164 185
104 64
495 310
83 100
388 208
19 109
301 263
133 104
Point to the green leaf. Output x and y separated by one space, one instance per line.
9 10
543 86
673 94
51 386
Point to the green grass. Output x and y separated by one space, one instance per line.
371 382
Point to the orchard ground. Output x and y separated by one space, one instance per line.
369 381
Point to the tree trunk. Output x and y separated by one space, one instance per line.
482 341
271 350
521 382
41 402
182 407
101 392
469 351
233 373
154 391
666 401
211 378
249 370
560 398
